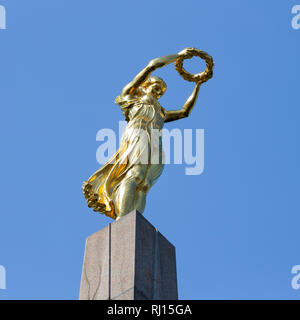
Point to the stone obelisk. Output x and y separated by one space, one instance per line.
129 260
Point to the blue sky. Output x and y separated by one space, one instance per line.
235 226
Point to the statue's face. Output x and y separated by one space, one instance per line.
155 89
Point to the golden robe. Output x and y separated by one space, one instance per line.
133 158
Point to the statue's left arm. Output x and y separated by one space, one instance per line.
187 108
154 64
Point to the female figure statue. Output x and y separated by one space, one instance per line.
121 185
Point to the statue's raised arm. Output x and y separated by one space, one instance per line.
199 78
154 64
187 108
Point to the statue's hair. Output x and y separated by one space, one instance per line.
154 79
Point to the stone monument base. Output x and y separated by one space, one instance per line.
129 260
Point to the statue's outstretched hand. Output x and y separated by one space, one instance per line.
186 52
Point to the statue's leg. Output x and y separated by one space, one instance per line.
140 201
130 194
153 172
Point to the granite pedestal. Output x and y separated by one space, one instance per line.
129 260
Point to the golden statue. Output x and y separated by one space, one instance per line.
121 185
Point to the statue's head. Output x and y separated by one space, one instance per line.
155 86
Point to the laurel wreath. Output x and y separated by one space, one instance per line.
199 77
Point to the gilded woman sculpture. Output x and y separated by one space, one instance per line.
121 185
